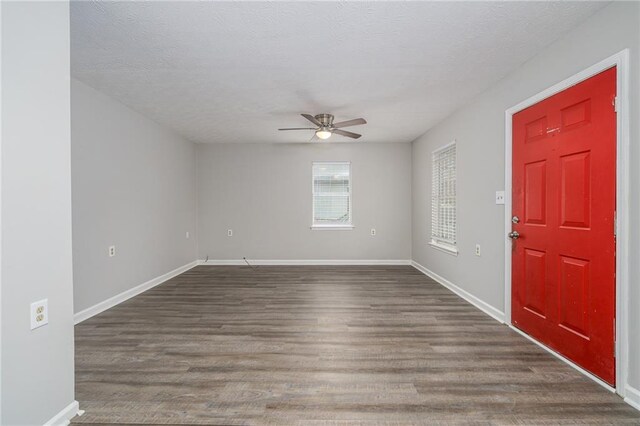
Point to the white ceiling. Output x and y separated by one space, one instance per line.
237 71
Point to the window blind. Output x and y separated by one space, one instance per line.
331 193
443 196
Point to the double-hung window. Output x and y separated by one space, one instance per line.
443 199
331 195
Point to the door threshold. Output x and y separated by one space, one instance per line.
572 364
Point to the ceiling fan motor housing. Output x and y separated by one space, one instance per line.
325 119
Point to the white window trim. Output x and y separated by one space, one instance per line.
332 227
443 246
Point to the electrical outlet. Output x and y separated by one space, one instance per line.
39 313
187 235
112 251
499 197
477 249
229 232
373 232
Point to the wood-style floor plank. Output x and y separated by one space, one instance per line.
307 345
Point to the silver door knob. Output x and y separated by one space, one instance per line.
514 235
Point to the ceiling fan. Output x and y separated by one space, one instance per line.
325 126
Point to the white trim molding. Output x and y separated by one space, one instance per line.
567 361
483 306
452 250
128 294
621 61
300 262
632 397
332 227
64 417
1 127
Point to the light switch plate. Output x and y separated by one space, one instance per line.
39 313
499 197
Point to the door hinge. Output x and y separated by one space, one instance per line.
615 224
614 102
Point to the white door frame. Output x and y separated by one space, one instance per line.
621 61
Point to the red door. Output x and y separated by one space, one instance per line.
564 198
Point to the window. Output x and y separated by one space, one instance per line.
331 195
443 199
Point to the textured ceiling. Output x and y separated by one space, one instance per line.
237 71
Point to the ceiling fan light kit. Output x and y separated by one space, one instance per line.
323 133
326 127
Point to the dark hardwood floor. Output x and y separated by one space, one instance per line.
321 345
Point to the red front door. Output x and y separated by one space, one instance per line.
564 198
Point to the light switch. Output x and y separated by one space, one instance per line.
499 197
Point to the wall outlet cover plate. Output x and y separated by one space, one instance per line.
39 313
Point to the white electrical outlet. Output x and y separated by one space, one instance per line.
187 235
39 313
229 232
373 232
112 251
499 197
477 249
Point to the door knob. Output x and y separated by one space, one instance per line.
514 235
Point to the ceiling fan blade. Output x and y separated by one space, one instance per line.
354 122
312 119
345 133
299 128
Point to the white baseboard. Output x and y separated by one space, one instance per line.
128 294
483 306
64 417
567 361
294 262
632 396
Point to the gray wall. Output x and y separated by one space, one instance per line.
37 366
133 187
479 130
263 193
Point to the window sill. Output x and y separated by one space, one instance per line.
444 248
332 227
